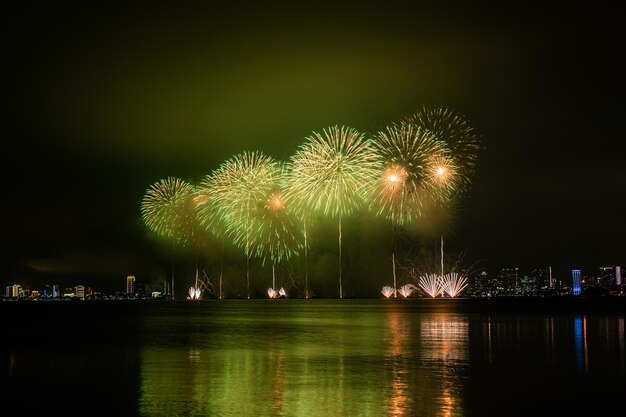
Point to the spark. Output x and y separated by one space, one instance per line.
453 284
406 290
387 291
431 284
195 294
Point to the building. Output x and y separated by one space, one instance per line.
618 275
576 281
130 284
80 291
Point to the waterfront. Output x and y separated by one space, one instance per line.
315 357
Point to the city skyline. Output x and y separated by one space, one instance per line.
480 282
103 103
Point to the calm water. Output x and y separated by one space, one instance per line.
310 358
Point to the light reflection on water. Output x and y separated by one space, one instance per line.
313 358
348 362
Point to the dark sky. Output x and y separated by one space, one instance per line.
100 101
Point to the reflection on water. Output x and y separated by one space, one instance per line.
580 337
316 358
352 362
445 340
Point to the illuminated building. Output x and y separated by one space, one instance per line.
80 291
576 281
55 291
618 275
16 290
550 272
130 284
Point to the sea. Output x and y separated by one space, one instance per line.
313 357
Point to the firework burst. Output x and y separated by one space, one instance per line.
167 209
276 233
454 129
329 173
411 169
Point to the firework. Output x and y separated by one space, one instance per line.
329 175
195 293
454 129
236 190
387 291
282 293
406 290
272 293
167 209
431 284
453 284
275 232
411 169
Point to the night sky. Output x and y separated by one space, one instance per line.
100 101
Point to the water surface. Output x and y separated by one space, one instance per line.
311 358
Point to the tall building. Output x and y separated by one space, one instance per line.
55 290
576 281
618 275
16 290
130 284
550 278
